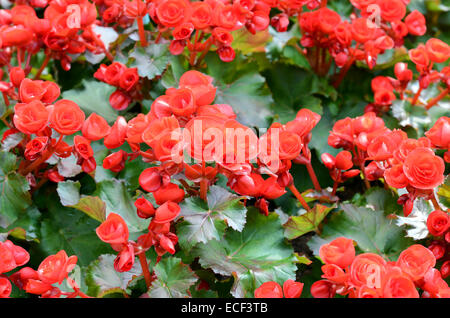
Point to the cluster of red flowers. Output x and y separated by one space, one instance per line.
36 115
379 27
291 289
211 21
65 30
403 162
182 107
337 167
369 275
190 107
114 231
424 57
52 270
125 79
185 119
438 224
11 256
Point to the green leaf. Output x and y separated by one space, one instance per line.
247 43
27 226
380 199
296 57
253 256
274 48
92 206
14 195
207 221
2 107
69 192
102 279
93 98
294 88
244 89
174 279
202 293
64 228
444 193
370 229
150 61
416 115
118 200
344 8
389 58
177 67
309 221
303 259
130 174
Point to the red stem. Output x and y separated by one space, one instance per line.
158 37
83 295
435 100
299 49
144 265
19 56
345 69
318 55
6 123
313 177
43 66
343 72
435 202
5 98
360 160
208 45
204 183
299 197
194 50
416 97
102 45
35 164
141 29
336 183
325 66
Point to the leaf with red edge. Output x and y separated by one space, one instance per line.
307 222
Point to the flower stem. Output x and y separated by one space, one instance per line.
19 56
313 177
204 183
47 154
141 29
102 45
144 265
5 98
43 66
366 182
336 183
416 96
343 72
158 37
299 49
435 100
435 202
6 123
208 44
194 50
345 69
299 197
83 295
